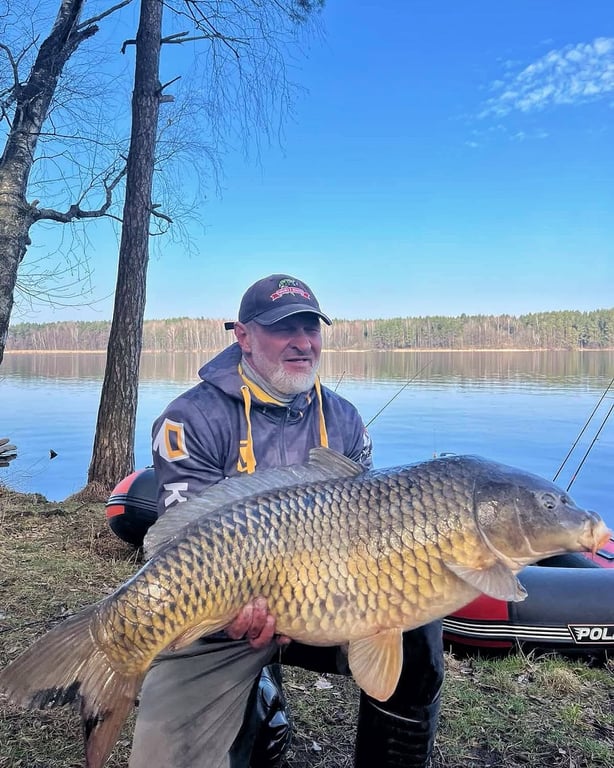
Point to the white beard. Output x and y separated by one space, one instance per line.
279 379
291 383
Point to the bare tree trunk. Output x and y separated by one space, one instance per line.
32 102
113 452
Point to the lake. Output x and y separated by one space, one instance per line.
521 408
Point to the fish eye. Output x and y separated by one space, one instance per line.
549 500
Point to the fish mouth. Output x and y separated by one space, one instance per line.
603 540
596 535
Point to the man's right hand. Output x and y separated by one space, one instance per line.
256 624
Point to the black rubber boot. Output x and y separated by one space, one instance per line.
387 740
273 738
400 732
265 734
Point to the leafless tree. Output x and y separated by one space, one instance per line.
26 107
239 92
242 65
113 453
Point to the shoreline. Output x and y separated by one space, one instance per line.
413 350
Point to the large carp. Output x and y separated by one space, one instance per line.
341 555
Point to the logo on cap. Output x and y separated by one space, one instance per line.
276 297
292 287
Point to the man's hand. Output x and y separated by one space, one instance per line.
255 623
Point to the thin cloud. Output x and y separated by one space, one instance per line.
574 74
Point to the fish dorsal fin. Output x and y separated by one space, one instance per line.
497 580
323 464
376 661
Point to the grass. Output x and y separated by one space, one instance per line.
519 711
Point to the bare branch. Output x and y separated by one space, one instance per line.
75 211
11 94
199 19
126 43
170 82
175 38
159 214
170 41
12 62
102 15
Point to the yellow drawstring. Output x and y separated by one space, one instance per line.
258 391
247 459
323 432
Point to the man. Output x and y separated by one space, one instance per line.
260 404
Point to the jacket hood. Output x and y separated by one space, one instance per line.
222 372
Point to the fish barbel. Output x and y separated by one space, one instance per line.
342 556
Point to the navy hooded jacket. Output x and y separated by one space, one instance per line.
218 429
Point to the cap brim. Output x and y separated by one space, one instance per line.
272 316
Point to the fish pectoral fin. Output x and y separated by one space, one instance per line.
194 633
496 580
375 662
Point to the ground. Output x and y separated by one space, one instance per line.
519 711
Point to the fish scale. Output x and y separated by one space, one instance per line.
342 556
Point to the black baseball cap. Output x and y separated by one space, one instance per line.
275 297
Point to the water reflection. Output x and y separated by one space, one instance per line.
595 367
521 408
471 365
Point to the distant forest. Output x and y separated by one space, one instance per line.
541 330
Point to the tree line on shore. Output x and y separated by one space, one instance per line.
569 329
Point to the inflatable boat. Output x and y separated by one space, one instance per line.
131 507
569 608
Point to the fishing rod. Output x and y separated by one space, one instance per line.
407 383
586 423
588 450
339 380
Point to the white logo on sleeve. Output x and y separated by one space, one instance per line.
170 441
174 493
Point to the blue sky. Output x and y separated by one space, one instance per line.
446 157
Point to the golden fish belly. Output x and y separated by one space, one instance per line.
345 596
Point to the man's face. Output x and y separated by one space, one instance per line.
286 354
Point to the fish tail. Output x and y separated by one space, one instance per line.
65 666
